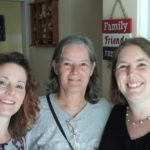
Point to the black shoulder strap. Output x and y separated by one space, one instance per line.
57 121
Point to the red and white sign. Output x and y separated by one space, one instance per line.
114 32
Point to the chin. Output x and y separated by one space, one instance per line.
134 98
8 113
74 90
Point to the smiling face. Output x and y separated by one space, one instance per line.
74 69
133 74
13 80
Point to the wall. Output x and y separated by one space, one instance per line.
131 10
11 12
75 17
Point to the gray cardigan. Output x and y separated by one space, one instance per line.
84 131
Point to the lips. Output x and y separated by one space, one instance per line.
8 102
74 79
134 84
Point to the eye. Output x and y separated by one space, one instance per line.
3 83
142 65
20 87
121 66
84 64
66 63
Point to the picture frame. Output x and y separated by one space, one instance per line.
2 28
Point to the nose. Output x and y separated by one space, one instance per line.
75 69
10 90
131 70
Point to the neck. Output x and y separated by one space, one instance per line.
139 111
4 134
71 104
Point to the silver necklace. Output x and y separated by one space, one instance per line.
135 123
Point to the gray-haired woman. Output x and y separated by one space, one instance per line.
72 115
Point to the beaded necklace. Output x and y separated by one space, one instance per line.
135 123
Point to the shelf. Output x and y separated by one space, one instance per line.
44 23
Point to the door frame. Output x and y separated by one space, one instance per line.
24 25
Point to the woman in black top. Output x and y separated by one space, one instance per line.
128 127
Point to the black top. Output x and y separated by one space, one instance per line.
116 136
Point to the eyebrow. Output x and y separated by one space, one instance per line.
138 60
142 59
3 77
62 58
24 82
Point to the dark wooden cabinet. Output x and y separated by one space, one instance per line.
44 23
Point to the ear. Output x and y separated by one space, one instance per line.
93 67
55 67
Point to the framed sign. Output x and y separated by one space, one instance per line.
2 28
114 32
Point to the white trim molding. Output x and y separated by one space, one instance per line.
143 18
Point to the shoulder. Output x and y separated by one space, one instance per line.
117 113
119 109
44 113
116 118
103 104
43 104
101 109
42 101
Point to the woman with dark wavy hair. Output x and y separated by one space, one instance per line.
18 101
72 115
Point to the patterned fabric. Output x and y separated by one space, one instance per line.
13 144
19 143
